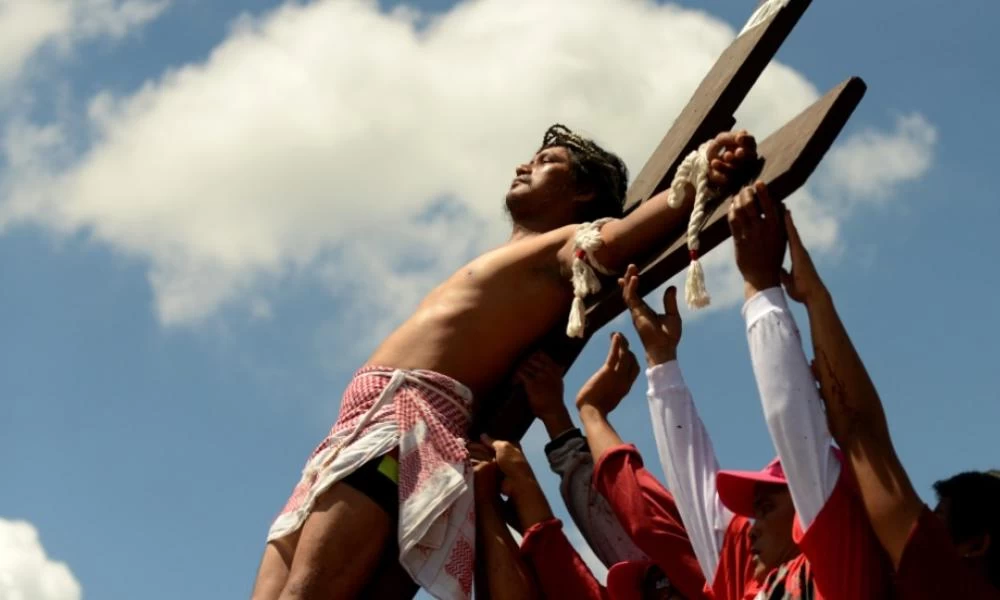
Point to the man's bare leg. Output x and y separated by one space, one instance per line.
338 548
274 567
391 581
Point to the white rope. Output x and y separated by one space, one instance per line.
585 281
693 171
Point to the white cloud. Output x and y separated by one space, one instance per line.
26 573
333 141
26 26
871 163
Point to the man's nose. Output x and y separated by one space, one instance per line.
522 169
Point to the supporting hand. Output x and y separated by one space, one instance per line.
612 382
758 237
542 379
660 334
803 284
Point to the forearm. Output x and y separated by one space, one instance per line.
506 576
791 403
560 571
599 433
530 502
557 421
689 462
641 232
650 517
858 423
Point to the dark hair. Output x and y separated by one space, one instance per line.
593 167
975 511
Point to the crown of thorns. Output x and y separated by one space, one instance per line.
605 170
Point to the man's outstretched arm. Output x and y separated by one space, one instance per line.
685 449
854 410
642 231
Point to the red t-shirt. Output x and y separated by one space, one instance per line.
840 559
558 568
649 515
931 567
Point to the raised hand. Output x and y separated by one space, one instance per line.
660 334
758 237
612 382
542 379
803 284
735 155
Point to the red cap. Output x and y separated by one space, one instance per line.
736 487
626 579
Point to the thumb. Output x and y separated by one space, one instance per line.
794 241
616 345
786 279
670 301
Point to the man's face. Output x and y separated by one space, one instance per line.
543 184
771 534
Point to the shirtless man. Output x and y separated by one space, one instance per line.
396 458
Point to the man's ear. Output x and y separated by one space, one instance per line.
975 547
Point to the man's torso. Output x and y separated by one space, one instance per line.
481 320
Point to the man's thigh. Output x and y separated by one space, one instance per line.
343 539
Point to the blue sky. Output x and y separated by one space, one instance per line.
209 217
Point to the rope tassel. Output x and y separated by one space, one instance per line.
693 172
585 281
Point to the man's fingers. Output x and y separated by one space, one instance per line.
722 166
767 205
616 343
735 225
744 210
794 241
544 363
728 139
670 301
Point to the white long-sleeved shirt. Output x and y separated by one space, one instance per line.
792 406
794 416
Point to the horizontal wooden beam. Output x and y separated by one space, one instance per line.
790 155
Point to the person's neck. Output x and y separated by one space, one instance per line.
529 228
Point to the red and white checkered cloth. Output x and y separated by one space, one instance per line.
425 415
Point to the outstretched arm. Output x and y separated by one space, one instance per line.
685 449
559 570
500 572
646 510
642 231
853 408
792 406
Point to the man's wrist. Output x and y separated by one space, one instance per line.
755 285
530 502
556 422
589 412
819 298
659 356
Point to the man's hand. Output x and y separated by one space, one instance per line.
660 334
734 156
613 380
510 468
759 238
803 284
542 380
486 476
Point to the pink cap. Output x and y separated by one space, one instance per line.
736 487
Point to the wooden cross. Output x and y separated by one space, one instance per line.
788 156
